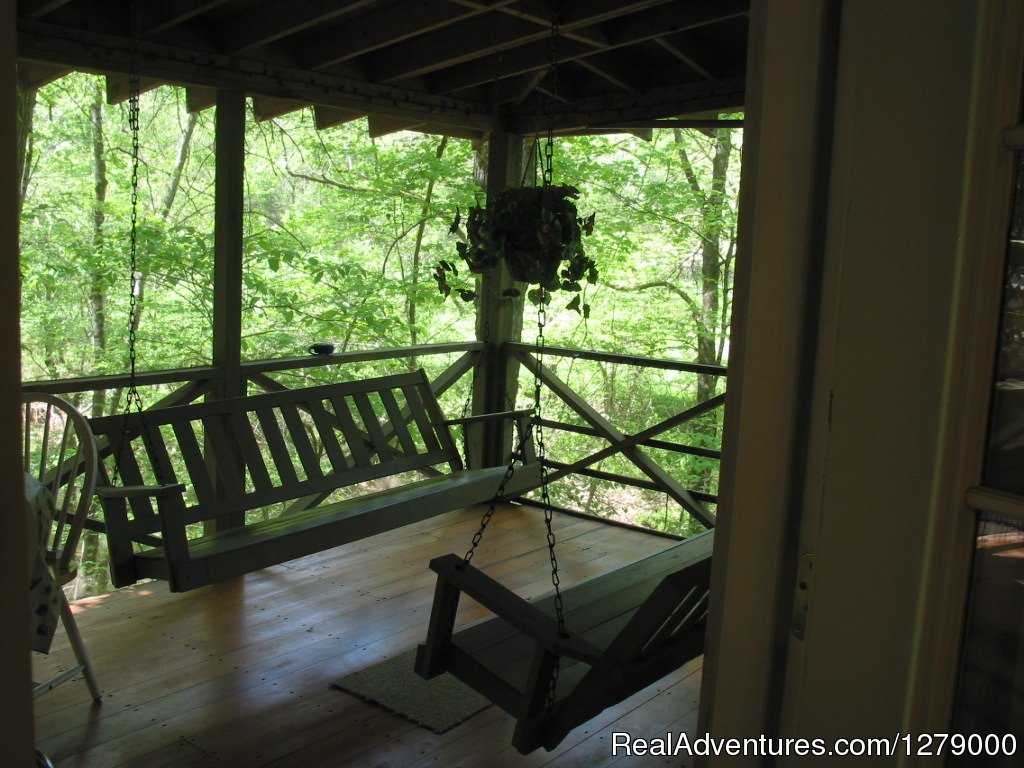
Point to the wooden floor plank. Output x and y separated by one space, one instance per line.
332 609
238 674
120 659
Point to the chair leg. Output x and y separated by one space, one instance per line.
78 646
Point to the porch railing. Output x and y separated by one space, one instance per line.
654 477
189 384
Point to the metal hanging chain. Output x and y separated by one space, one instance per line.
542 316
549 144
537 425
133 400
492 505
510 472
538 433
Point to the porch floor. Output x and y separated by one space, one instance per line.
237 674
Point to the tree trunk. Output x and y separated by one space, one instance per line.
97 300
184 145
26 112
712 203
410 301
711 321
711 265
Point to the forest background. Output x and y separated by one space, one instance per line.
342 232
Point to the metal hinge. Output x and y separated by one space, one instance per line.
802 599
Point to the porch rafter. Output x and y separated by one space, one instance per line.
98 52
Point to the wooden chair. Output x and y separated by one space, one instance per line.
60 452
626 629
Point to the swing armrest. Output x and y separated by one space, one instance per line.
524 616
523 420
139 491
464 420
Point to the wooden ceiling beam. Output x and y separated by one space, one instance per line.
461 43
646 134
371 31
692 52
677 16
632 109
265 108
533 57
528 85
670 123
453 131
537 11
573 17
34 76
119 87
328 117
104 53
383 126
160 15
36 9
266 23
197 99
467 41
606 75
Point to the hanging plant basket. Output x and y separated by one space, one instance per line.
538 233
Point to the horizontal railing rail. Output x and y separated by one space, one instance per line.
204 376
122 380
620 444
615 357
253 367
195 382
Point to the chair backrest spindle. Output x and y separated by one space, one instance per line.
60 452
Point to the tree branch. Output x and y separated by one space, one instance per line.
350 187
694 306
691 177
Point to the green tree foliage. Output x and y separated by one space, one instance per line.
342 232
664 238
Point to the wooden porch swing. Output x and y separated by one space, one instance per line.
557 662
608 637
173 470
626 629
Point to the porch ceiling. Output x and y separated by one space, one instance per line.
462 67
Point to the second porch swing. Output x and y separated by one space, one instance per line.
559 661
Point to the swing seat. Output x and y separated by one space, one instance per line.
294 449
626 629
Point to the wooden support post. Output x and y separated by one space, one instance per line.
499 320
227 228
16 671
227 235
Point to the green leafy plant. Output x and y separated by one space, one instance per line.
538 234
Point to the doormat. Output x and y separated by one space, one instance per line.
438 704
